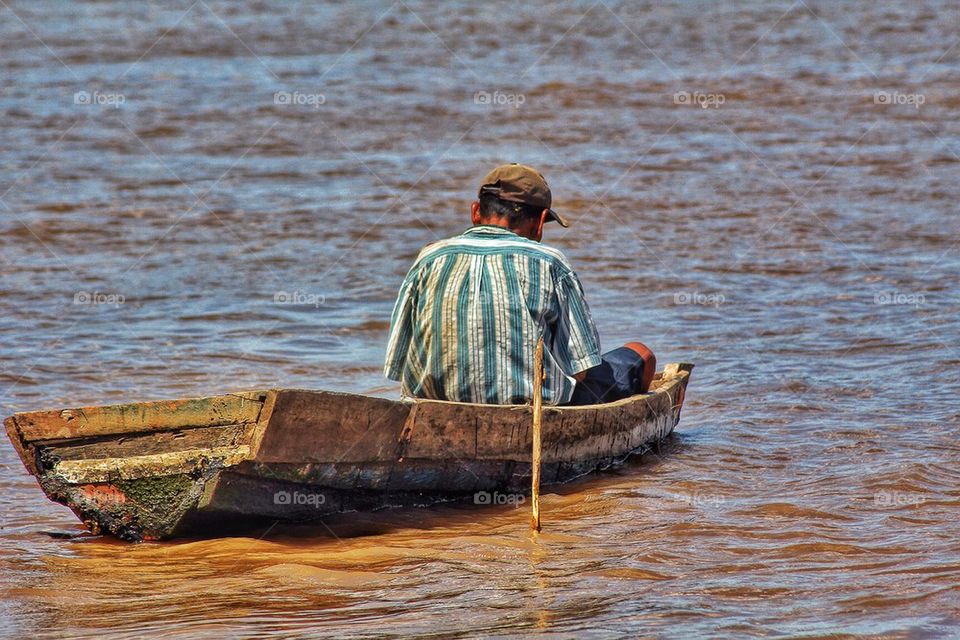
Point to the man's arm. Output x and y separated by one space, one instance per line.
576 341
401 329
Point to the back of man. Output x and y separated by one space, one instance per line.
470 312
472 308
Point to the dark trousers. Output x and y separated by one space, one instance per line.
619 375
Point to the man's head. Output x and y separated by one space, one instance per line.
516 197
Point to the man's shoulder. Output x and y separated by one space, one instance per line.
466 243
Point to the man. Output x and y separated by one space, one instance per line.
472 308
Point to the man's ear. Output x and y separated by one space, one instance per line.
543 220
475 213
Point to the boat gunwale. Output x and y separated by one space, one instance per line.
265 396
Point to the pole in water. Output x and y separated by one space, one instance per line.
538 377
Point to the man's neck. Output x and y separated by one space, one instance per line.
503 223
496 222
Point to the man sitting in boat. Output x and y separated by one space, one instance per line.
472 308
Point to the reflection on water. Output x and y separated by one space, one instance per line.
754 187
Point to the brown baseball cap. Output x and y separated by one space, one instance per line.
519 183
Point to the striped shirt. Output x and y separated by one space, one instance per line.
469 313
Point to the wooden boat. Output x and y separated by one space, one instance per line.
157 470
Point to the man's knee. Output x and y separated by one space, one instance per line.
643 351
649 363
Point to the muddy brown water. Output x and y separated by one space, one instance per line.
205 197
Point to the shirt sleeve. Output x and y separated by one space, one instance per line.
576 345
401 328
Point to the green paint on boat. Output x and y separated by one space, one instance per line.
159 492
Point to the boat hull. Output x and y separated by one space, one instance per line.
198 466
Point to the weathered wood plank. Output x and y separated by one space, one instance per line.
88 422
26 453
148 443
321 426
453 430
148 466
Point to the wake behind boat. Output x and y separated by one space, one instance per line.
199 466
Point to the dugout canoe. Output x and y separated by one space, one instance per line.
195 467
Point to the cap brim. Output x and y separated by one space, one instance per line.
553 215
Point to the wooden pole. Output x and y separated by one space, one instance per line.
538 377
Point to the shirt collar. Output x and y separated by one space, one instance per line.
490 229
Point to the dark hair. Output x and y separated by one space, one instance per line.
515 212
